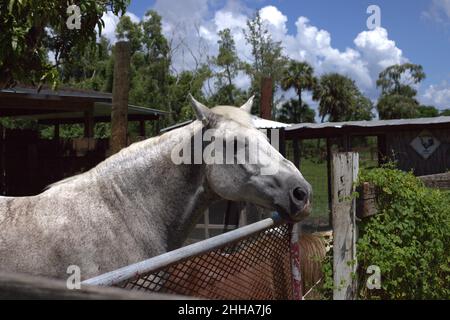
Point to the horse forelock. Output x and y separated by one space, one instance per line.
235 114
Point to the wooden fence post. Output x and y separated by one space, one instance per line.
119 112
297 289
345 168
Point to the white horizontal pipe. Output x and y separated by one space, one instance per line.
165 259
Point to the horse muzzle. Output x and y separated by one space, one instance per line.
297 206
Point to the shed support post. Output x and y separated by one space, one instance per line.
282 144
382 150
56 132
142 128
89 123
329 179
297 154
345 172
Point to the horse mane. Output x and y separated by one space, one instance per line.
227 112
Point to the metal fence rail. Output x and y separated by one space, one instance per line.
252 262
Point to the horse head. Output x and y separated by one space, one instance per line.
242 165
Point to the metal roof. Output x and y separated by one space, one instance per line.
175 126
62 92
258 122
363 128
371 124
101 110
65 105
261 123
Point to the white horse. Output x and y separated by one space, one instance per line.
139 203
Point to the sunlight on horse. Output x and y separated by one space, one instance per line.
137 203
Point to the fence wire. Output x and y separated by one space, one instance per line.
256 267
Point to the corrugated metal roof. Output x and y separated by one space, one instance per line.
261 123
101 109
175 126
62 92
370 124
258 122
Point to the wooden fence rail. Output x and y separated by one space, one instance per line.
22 286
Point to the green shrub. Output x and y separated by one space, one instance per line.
409 238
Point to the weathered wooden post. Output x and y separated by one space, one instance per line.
89 123
297 289
345 168
266 98
119 113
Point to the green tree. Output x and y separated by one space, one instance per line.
229 65
398 79
397 106
88 69
361 109
340 99
397 98
130 31
268 59
427 112
29 29
286 112
445 112
156 59
181 85
298 76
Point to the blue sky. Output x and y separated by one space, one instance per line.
332 35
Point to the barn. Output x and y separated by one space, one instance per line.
29 163
419 145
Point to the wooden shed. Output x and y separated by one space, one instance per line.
28 163
420 145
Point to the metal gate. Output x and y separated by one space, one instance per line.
252 262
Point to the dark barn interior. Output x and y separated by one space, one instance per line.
28 163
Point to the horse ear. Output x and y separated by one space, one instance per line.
201 111
248 105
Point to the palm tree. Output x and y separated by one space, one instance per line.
299 76
336 94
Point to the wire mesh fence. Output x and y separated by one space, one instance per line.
257 266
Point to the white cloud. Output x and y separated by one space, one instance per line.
111 21
275 19
192 28
134 18
438 11
437 95
314 46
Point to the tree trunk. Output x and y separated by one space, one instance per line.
230 84
300 107
119 113
299 145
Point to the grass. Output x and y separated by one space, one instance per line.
314 169
315 172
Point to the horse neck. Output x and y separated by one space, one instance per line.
144 177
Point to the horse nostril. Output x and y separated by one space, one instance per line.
299 194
